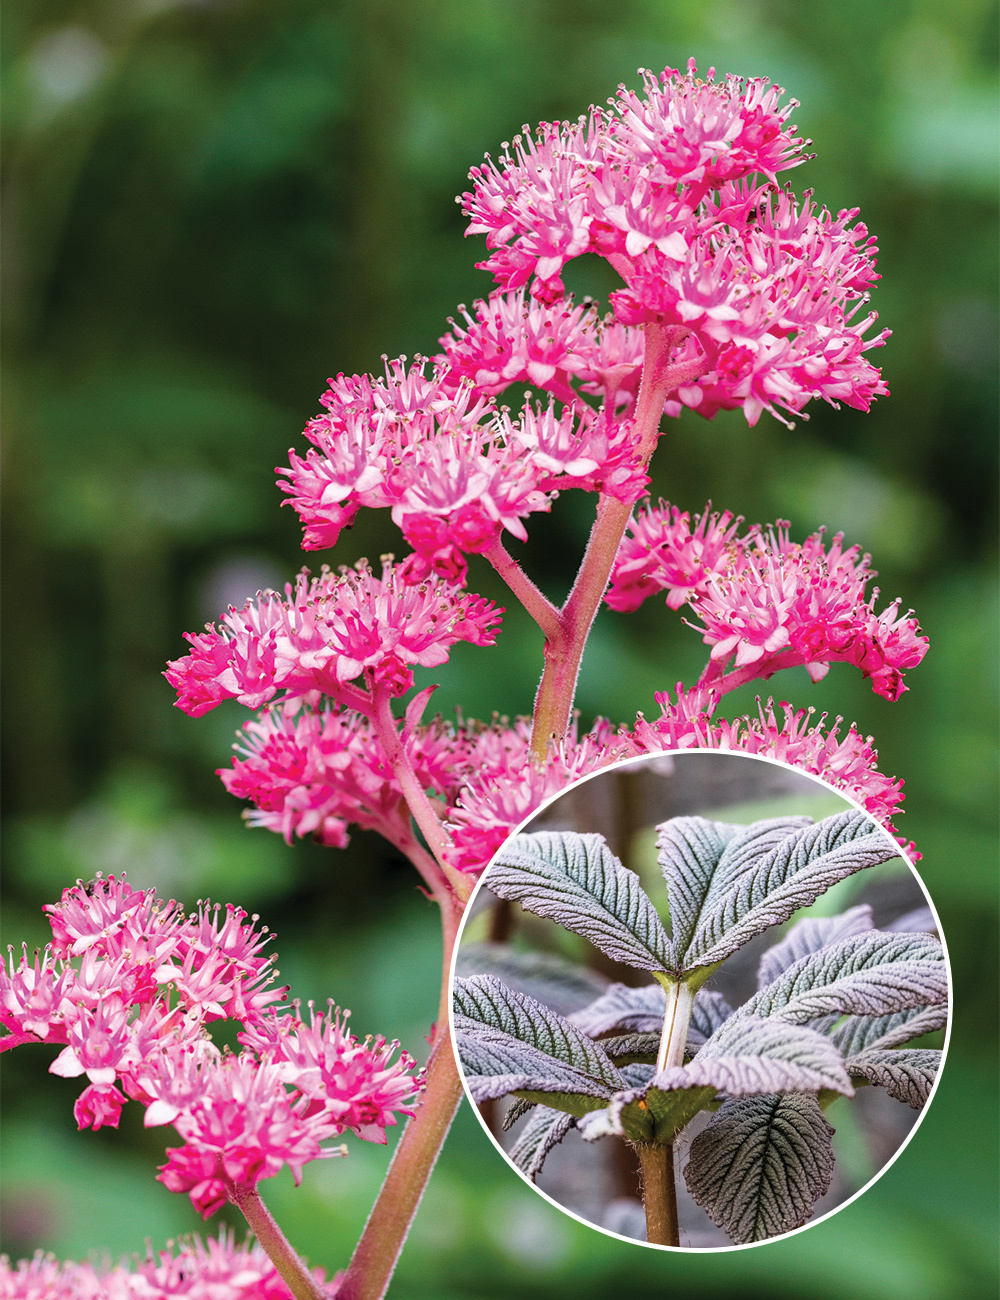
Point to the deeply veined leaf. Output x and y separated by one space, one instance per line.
628 1049
545 1129
765 872
816 1060
809 935
906 1073
561 985
689 850
576 881
857 1033
761 1163
495 1064
872 974
490 1003
623 1009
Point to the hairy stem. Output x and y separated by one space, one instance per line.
659 1194
564 650
531 597
676 1019
302 1284
414 793
375 1255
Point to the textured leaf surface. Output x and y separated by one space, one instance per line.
545 1129
921 918
907 1074
872 974
576 881
485 1000
809 935
760 1056
624 1010
560 984
760 1164
860 1032
495 1064
628 1049
766 871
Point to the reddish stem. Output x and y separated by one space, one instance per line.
302 1284
564 651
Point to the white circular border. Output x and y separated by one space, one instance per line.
793 1232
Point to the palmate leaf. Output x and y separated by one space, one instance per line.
560 984
724 890
761 1163
576 881
545 1129
485 1002
873 974
857 1033
906 1073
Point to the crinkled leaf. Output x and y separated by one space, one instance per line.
761 1163
766 871
755 1051
921 918
809 935
628 1049
641 1010
545 1129
624 1010
906 1073
576 881
872 974
515 1110
486 1000
495 1064
689 850
857 1033
561 985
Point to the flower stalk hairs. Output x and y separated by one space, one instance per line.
734 294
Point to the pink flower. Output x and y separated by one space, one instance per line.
848 762
327 632
97 1106
353 1085
664 552
216 1269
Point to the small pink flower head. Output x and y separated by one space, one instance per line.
108 913
353 1085
849 763
331 630
36 997
98 1106
664 552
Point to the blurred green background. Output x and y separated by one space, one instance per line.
211 207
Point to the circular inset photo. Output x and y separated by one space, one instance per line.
700 1000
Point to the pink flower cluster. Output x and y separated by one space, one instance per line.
677 190
756 296
326 633
317 773
765 602
216 1269
133 1016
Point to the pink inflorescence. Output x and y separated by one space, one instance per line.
327 632
760 300
130 985
216 1269
765 602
